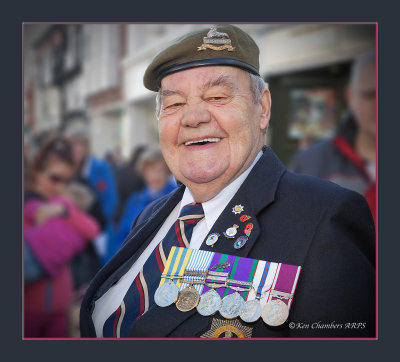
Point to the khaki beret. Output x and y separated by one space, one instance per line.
220 45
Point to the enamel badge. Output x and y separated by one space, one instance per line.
212 239
248 229
231 232
240 242
244 218
238 209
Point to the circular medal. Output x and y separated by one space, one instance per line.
188 299
240 241
231 232
212 239
275 313
251 311
210 303
232 306
166 294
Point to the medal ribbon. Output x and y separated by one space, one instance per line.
263 279
286 281
251 276
199 260
218 258
242 270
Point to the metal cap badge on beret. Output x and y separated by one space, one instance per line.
220 45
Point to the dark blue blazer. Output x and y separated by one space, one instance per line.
298 220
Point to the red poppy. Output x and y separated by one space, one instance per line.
248 228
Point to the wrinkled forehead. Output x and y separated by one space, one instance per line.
203 78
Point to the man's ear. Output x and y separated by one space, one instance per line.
265 109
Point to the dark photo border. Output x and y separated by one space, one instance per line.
313 11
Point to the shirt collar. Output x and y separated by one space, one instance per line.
214 207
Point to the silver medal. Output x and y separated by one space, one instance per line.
166 294
252 311
275 313
210 303
232 306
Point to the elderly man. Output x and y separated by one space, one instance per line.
213 110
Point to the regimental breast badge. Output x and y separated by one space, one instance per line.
223 328
216 37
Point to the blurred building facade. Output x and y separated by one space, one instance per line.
90 76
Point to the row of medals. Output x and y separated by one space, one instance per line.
274 313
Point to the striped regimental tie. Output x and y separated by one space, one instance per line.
140 295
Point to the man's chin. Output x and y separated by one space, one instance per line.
202 176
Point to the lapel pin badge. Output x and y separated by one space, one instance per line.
212 239
240 242
248 229
244 218
237 209
231 232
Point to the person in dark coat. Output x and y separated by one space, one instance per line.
349 159
213 111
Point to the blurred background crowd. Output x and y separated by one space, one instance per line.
91 155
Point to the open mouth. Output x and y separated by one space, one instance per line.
202 142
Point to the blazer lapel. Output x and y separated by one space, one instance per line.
256 193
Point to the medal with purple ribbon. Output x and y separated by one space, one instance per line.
276 311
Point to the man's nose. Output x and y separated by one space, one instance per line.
195 113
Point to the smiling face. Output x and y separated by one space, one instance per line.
210 128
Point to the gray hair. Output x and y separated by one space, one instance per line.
257 85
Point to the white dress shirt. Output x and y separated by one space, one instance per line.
111 300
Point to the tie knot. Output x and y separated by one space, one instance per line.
192 211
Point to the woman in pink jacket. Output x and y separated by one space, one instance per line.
55 230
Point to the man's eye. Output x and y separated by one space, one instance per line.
174 105
217 99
